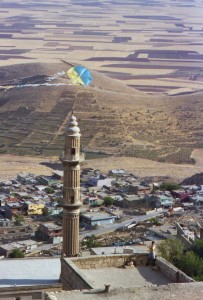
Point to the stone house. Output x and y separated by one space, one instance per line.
49 232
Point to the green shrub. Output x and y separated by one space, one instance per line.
190 262
192 265
169 186
198 248
108 201
16 253
91 242
171 250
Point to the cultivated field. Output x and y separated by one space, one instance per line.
149 107
154 46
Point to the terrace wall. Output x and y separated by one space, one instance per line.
72 277
181 235
171 271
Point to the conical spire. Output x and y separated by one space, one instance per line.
73 129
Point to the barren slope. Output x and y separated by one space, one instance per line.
113 118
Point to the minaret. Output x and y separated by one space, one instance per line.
71 189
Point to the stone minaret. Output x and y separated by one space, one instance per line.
71 189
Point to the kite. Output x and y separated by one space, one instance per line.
80 75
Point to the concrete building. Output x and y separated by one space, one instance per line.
97 181
132 201
14 208
89 220
26 178
34 208
71 189
138 189
24 246
49 232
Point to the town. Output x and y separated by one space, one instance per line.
120 213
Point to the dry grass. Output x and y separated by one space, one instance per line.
11 165
144 167
113 118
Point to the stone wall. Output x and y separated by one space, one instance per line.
171 271
181 235
72 277
107 261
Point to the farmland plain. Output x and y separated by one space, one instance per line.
154 46
146 58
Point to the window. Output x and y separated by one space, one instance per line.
72 199
73 151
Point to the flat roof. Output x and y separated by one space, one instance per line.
97 216
29 272
10 246
118 277
119 249
51 226
193 290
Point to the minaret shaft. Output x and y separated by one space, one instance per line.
70 230
71 190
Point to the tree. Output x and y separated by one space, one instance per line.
188 262
16 253
171 250
92 242
192 265
155 221
169 186
19 220
108 201
198 248
49 190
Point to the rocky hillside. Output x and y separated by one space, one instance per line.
36 100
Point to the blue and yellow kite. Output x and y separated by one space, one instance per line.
80 75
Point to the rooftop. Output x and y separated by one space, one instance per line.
29 272
176 291
97 215
51 226
119 250
117 277
128 278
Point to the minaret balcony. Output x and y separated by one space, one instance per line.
73 158
72 205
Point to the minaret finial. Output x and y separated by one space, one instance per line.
73 129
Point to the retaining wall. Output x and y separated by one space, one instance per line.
171 271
